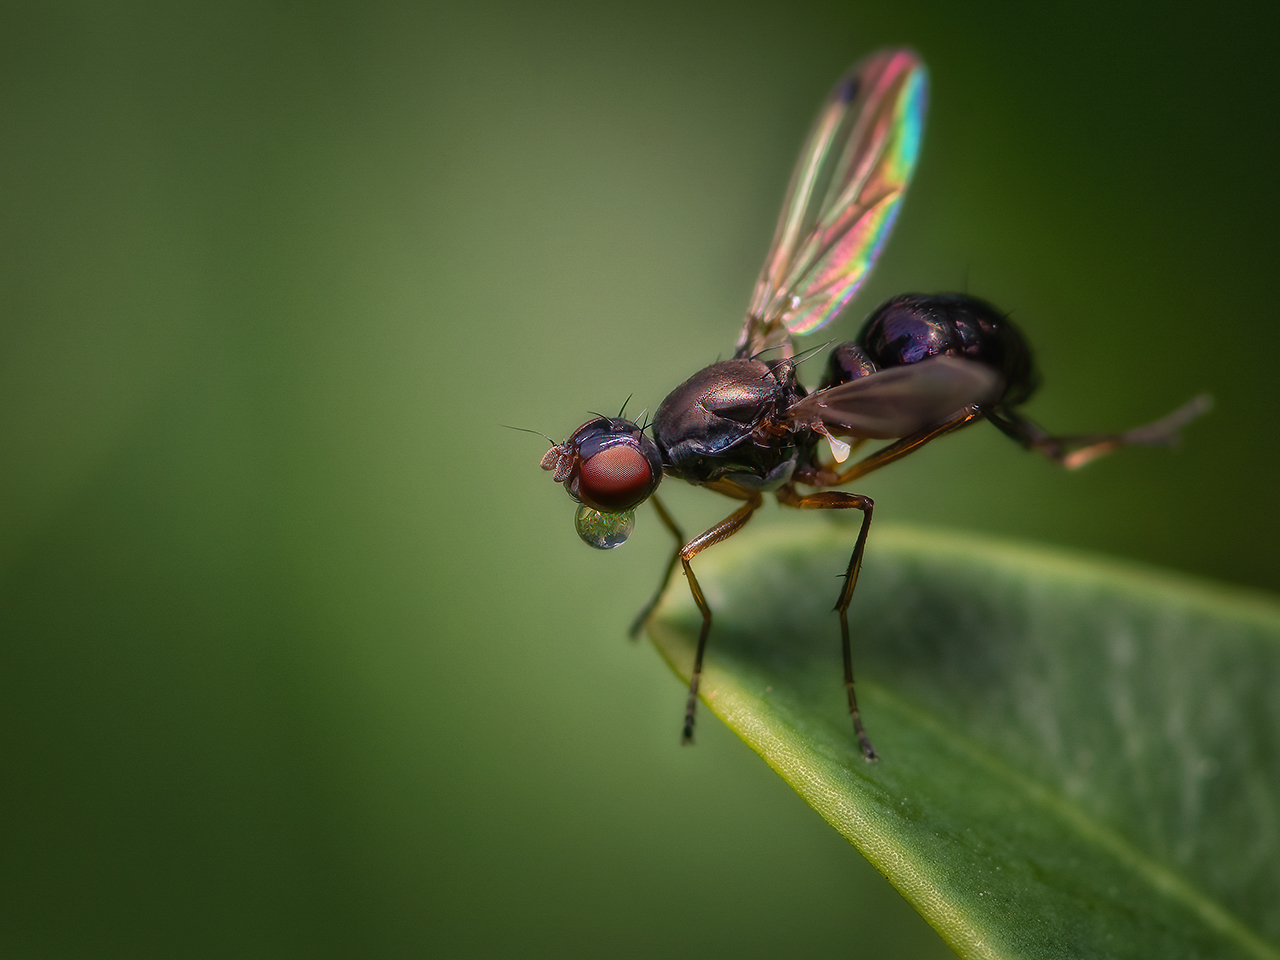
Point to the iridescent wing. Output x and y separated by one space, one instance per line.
842 200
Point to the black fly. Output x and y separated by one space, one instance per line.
922 366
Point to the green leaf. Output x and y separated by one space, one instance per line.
1078 758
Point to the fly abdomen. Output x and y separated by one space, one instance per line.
915 327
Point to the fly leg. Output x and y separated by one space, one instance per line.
638 623
1075 451
721 531
898 449
837 500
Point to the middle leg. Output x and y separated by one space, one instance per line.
838 500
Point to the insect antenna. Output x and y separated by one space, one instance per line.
536 433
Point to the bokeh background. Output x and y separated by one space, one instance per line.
300 655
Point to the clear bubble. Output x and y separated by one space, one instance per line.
604 531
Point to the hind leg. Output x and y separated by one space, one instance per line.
1077 450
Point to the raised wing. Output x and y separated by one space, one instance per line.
900 400
842 200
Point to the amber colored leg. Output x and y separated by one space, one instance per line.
721 531
638 623
837 500
900 448
1075 451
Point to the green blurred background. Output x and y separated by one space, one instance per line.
301 656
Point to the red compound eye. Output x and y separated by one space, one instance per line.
616 478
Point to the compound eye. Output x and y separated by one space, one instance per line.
617 478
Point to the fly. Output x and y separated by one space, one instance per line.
922 366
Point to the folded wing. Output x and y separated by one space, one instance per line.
900 400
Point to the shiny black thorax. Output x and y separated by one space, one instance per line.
914 327
729 419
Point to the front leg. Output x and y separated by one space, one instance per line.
721 531
667 521
837 500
